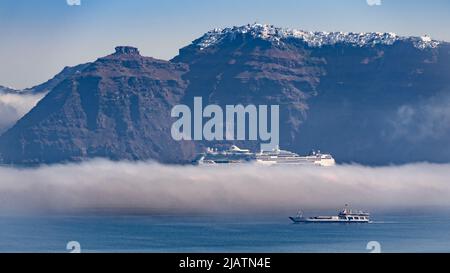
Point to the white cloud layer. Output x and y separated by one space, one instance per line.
15 106
153 188
428 120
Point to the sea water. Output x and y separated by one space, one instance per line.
220 233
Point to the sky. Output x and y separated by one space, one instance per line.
40 37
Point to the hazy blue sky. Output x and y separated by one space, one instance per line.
40 37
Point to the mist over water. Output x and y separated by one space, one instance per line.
15 106
154 188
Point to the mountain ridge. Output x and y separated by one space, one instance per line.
360 103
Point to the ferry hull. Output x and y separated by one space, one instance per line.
297 220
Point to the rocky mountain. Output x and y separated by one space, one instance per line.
14 104
117 107
45 87
371 98
67 72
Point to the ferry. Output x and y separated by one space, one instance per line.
345 216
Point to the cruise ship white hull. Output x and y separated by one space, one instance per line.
304 162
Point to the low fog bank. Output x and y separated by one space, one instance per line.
153 188
15 106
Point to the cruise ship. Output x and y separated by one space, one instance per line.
236 155
344 216
278 156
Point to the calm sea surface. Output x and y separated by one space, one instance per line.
220 234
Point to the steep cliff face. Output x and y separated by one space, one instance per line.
371 98
117 107
381 105
246 70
